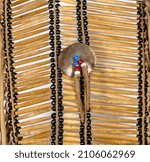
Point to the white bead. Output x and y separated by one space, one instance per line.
83 64
77 72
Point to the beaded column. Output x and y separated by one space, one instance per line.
82 28
3 139
142 76
56 74
10 72
147 52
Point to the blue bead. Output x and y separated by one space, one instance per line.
75 63
76 57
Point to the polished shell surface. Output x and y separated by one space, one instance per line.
66 58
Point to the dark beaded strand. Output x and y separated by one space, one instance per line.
146 109
9 104
141 29
13 74
85 22
79 23
140 53
54 65
53 73
10 71
82 127
59 76
146 113
87 42
81 37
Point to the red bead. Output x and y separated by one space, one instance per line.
78 68
80 61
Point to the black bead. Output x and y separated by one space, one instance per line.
58 37
61 120
51 12
52 65
89 138
78 17
52 60
87 38
81 126
59 102
58 42
78 12
81 133
79 33
60 87
52 38
60 97
87 43
88 133
53 86
82 138
53 91
57 27
52 48
60 126
88 121
84 13
53 138
52 54
79 23
52 75
78 2
53 115
80 39
53 80
82 143
60 142
84 7
79 28
51 32
60 137
53 121
61 131
61 108
53 132
53 127
60 114
59 75
50 6
88 115
89 143
88 127
57 5
53 108
58 32
53 103
53 143
59 91
86 33
53 97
